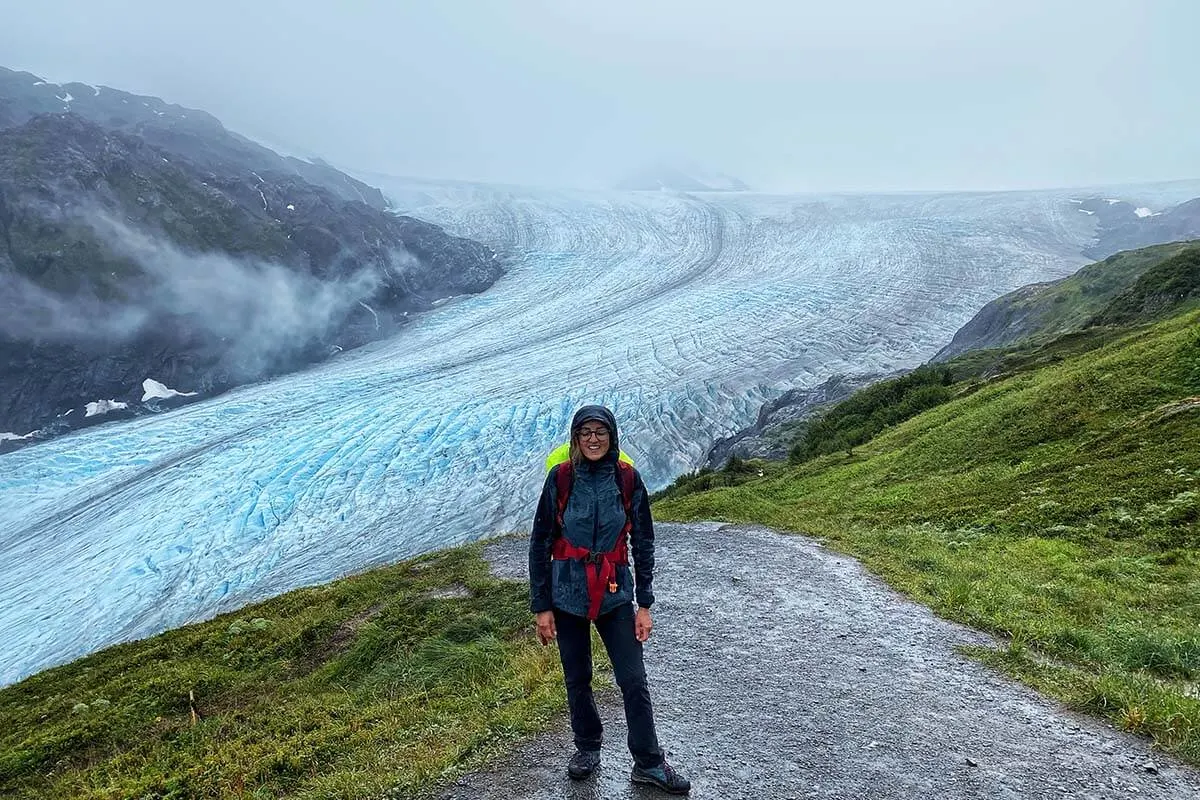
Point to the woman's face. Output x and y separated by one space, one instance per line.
593 440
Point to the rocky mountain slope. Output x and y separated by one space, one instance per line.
133 254
1124 225
779 420
1057 307
192 134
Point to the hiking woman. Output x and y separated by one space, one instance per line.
591 506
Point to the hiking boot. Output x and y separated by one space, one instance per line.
583 764
662 776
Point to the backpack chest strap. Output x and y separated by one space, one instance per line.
600 568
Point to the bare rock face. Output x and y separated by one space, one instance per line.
169 249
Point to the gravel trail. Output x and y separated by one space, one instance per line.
781 670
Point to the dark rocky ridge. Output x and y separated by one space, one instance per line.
195 135
780 421
122 260
1119 227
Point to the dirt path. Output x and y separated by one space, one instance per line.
782 670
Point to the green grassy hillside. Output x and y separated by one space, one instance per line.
1058 506
389 681
1044 311
1173 282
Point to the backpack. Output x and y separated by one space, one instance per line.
602 574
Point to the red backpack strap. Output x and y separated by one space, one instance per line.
562 484
625 484
625 475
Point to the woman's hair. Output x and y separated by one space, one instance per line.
575 451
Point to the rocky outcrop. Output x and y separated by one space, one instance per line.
122 261
781 420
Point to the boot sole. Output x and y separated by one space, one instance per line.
657 785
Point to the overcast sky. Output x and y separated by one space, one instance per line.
787 95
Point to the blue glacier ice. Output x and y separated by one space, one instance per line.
682 312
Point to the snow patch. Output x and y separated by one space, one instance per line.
1073 200
291 207
264 199
1111 201
257 176
66 99
1145 212
104 406
12 437
152 389
1085 211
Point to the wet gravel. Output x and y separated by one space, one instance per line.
782 670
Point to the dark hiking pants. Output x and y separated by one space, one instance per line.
625 652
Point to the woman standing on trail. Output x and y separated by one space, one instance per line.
591 506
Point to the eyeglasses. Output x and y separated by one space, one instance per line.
593 433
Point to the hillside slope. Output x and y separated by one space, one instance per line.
1058 507
1057 307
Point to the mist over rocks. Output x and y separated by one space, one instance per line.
122 261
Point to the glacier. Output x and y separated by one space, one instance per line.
682 312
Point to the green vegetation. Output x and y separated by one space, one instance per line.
1057 506
1048 492
1044 311
735 472
1071 303
370 684
867 412
1160 289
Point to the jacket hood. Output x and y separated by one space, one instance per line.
599 414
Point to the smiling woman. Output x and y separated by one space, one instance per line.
591 507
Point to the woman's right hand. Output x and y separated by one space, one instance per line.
546 630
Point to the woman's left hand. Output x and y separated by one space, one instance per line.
642 624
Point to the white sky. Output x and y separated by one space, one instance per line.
848 95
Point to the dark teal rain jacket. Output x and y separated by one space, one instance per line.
593 518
